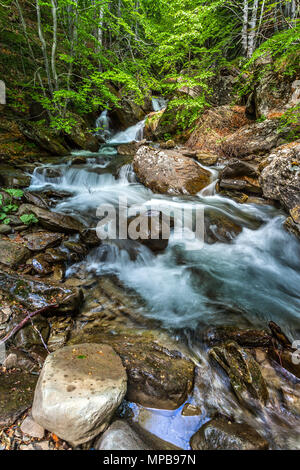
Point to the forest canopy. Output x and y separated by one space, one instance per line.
72 55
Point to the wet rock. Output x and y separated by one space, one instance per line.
12 177
37 294
158 376
16 395
240 176
79 389
280 179
34 333
286 359
76 247
80 136
50 173
214 125
191 410
31 428
244 337
35 199
52 220
152 230
220 434
120 436
128 149
41 265
5 229
243 371
90 238
40 241
170 144
169 172
252 140
60 332
220 228
207 158
13 254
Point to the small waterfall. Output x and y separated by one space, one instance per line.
103 125
132 134
159 103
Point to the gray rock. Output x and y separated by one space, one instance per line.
39 241
13 254
31 428
10 362
4 229
120 436
78 391
220 434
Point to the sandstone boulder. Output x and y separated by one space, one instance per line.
78 390
169 172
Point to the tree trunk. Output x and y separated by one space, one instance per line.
245 27
44 47
252 34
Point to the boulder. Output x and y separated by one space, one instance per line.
169 172
150 229
53 220
129 149
158 376
78 391
243 371
13 254
39 241
31 428
35 199
120 436
221 434
207 158
214 125
240 176
280 179
253 140
12 177
16 395
36 294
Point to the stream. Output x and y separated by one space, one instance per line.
245 283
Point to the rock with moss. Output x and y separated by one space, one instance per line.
13 254
243 371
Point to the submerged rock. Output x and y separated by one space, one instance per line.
243 371
220 434
169 171
78 390
158 376
52 220
220 228
13 254
150 229
120 436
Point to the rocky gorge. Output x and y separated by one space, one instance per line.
154 344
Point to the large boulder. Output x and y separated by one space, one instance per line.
13 254
168 171
280 179
120 436
253 140
78 391
159 376
52 220
221 434
214 125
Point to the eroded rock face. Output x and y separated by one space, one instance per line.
243 371
220 434
120 436
36 294
280 179
169 172
78 391
13 254
52 220
158 377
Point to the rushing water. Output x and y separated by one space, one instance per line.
250 281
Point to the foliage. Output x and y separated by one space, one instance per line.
29 219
